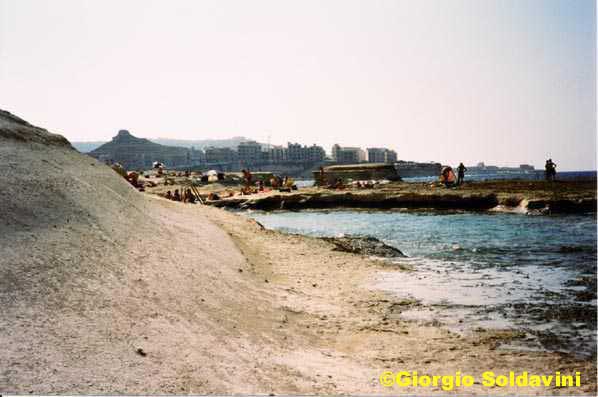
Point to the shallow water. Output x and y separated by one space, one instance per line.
505 271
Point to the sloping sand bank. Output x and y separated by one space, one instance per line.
107 290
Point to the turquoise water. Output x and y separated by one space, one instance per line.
532 273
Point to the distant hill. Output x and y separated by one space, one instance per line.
86 147
202 143
133 152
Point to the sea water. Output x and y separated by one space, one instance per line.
487 176
535 274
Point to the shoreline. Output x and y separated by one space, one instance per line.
504 196
463 268
331 296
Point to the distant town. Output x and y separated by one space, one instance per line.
294 158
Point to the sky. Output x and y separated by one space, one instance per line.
505 81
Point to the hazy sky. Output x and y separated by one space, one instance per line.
504 81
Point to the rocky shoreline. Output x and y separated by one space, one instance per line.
582 200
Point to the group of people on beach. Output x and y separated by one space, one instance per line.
282 184
187 197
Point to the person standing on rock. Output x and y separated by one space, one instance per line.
550 170
461 173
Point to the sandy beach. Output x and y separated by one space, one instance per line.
330 301
298 198
108 290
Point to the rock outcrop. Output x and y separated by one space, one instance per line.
368 246
366 200
17 129
579 198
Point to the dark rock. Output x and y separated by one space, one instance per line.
368 246
585 296
572 248
377 200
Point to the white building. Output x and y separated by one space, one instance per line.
348 154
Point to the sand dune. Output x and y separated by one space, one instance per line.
92 270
